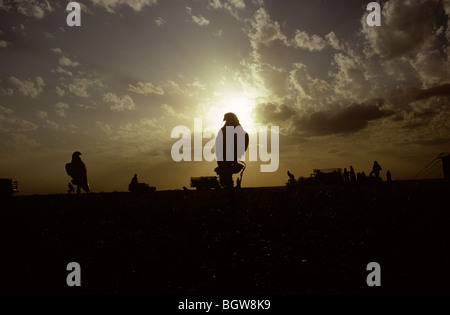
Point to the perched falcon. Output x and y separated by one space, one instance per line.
77 170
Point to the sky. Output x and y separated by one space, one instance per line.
341 92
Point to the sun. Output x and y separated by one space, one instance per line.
241 105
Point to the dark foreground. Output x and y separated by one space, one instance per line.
314 240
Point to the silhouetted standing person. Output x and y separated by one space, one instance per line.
388 176
227 166
376 169
346 176
352 175
77 170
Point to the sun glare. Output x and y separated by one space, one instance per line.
241 105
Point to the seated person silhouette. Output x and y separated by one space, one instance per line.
231 144
136 187
133 186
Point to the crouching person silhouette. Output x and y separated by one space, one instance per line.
231 144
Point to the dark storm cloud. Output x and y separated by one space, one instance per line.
408 27
442 90
348 120
427 142
417 108
402 98
275 114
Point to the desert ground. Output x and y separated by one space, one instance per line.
277 241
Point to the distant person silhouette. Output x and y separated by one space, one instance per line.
228 166
361 177
376 169
388 176
292 180
346 176
77 170
133 186
352 175
136 187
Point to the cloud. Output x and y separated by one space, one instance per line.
146 128
28 87
87 107
42 114
159 21
171 87
232 6
5 44
274 114
275 80
407 27
9 122
333 41
4 6
119 103
441 90
350 80
170 112
310 88
79 86
312 43
48 123
239 4
60 109
57 51
65 61
145 88
105 127
60 91
6 91
52 124
433 67
32 8
215 4
199 20
136 5
347 120
62 71
421 107
21 143
264 30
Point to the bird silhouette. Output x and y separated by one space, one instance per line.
228 166
77 170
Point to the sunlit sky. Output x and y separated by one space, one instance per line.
342 93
